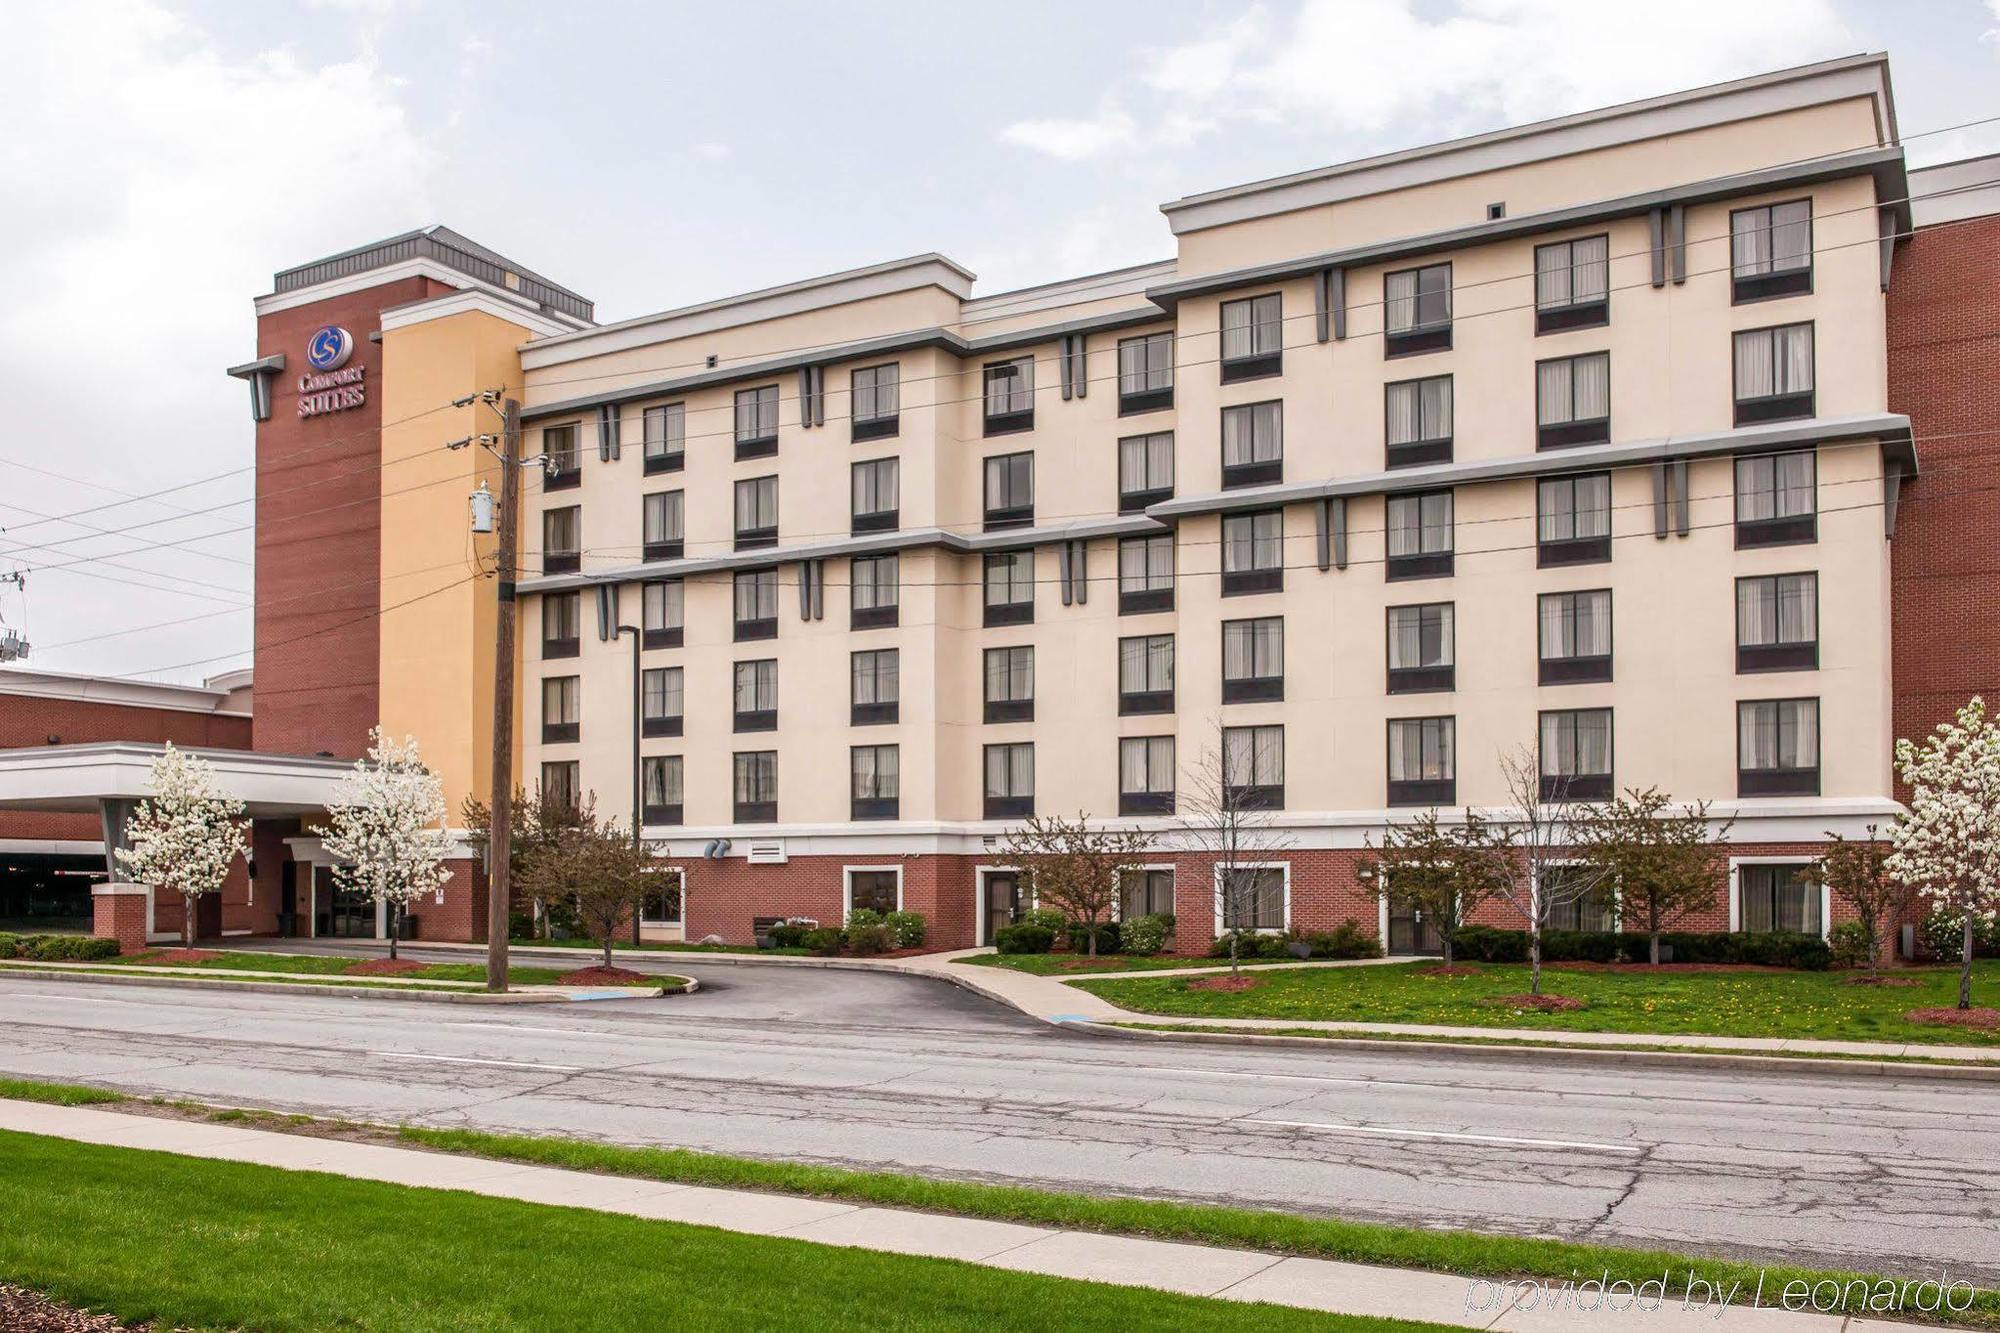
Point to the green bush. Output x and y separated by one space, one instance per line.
1848 942
1048 918
865 916
1489 944
9 947
822 940
1078 936
1347 940
866 940
1024 937
909 928
1587 946
788 934
1249 944
67 948
1941 935
1145 934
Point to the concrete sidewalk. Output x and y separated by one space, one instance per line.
1197 1270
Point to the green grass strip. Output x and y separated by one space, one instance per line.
200 1244
57 1094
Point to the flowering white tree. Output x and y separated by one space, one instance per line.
183 838
386 831
1948 847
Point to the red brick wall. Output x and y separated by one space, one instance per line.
31 720
1944 372
318 538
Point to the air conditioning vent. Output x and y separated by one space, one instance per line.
769 852
990 841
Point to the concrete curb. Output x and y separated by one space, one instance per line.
356 992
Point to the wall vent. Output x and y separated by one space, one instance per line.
767 852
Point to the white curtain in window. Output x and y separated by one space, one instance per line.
1793 476
1552 282
1756 612
1790 243
1552 392
1591 385
1592 506
1754 378
664 517
1146 463
1590 277
1252 434
1798 608
1792 358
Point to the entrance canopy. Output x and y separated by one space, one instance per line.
84 779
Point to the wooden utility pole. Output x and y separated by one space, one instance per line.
500 839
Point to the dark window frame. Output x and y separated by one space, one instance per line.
1421 564
877 712
1140 703
879 520
1420 791
873 807
878 616
1257 472
1419 338
1780 654
1254 364
1560 552
1773 283
762 536
1134 502
1011 422
1576 431
1146 601
1576 669
562 646
568 560
660 812
1006 613
1799 781
998 518
1148 802
1572 314
753 719
665 460
1255 578
1429 449
752 811
758 444
661 724
562 733
1567 787
1420 679
1797 405
1253 689
664 549
879 425
664 636
1780 529
1008 709
1153 399
558 475
1014 805
759 627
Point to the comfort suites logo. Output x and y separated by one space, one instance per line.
334 386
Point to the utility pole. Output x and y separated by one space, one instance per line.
500 839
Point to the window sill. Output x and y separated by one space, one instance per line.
756 539
1009 807
561 562
561 733
999 520
1799 531
566 480
875 809
1135 502
1262 797
1576 787
1571 434
1775 407
661 814
882 522
664 550
1235 475
756 812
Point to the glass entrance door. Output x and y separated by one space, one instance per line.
1003 903
1410 932
341 912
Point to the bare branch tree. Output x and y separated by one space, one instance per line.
1223 815
1545 867
1074 867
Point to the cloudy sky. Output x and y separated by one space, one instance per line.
162 159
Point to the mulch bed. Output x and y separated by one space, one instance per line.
1224 983
384 967
1543 1004
170 957
32 1312
1440 970
602 976
1883 981
1981 1020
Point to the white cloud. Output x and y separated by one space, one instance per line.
153 187
1361 66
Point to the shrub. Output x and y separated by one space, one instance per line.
1941 935
909 928
865 916
1078 935
866 939
68 948
1849 944
1024 937
788 934
823 940
9 947
1249 944
1145 934
1046 917
1489 944
1584 946
1344 941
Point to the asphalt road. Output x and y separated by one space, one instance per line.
1884 1174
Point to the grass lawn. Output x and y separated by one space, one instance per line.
202 1244
1729 1004
324 967
1071 964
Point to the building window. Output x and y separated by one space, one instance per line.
666 438
1777 747
1253 660
1575 636
1417 310
1010 491
1010 396
661 903
1573 400
561 784
1253 338
1422 656
1777 499
1419 536
1145 373
1010 781
1254 899
757 695
755 786
877 408
1253 444
757 422
560 614
1578 910
1423 761
1145 470
1576 755
565 470
1145 893
1417 422
1145 574
756 513
662 777
878 891
875 687
1774 374
872 592
1253 768
1573 520
1770 250
756 598
1779 897
561 705
664 701
1146 674
877 491
664 522
1777 623
562 540
1010 587
1572 284
876 785
1253 552
1146 775
664 612
1010 684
